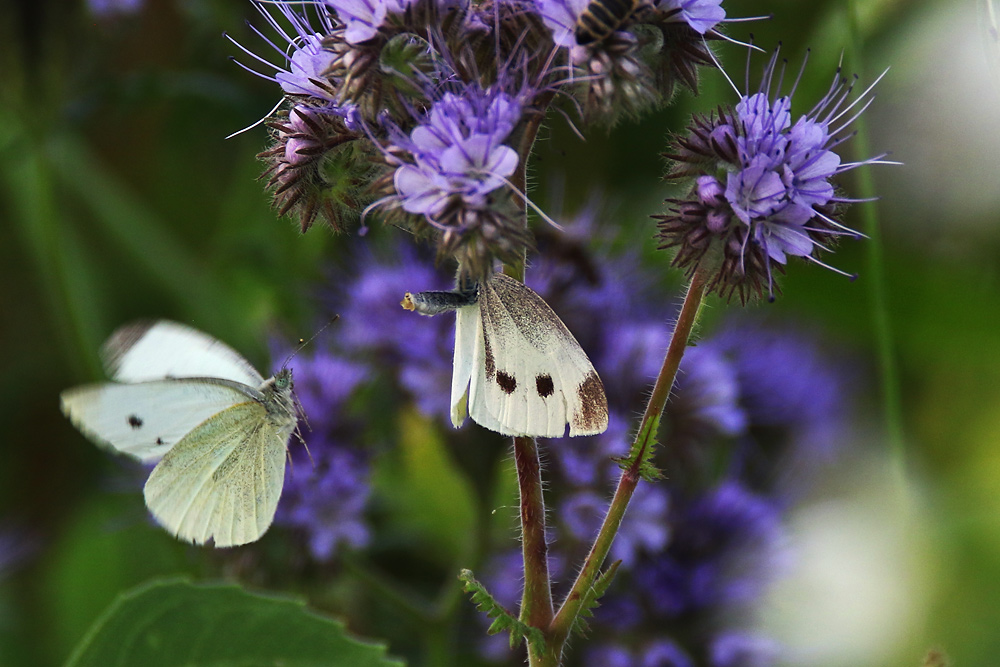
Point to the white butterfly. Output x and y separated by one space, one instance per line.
218 427
517 370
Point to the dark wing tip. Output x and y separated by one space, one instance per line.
592 416
121 341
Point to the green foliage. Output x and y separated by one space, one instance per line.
643 452
591 599
428 495
174 622
503 619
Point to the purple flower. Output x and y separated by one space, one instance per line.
448 171
363 18
787 382
106 8
308 61
419 358
644 529
701 15
665 653
326 489
740 649
560 16
707 395
726 547
763 187
458 152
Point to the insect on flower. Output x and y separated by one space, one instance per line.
601 18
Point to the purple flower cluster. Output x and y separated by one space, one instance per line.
326 488
439 89
763 189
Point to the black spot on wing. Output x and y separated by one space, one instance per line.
507 382
544 386
592 417
159 441
135 422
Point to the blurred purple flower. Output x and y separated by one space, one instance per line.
787 382
106 8
419 358
726 547
327 488
701 15
739 649
665 653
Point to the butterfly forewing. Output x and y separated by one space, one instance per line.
222 480
157 350
146 419
532 377
468 328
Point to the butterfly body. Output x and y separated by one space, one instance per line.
517 369
218 430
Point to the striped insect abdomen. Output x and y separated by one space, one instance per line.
601 18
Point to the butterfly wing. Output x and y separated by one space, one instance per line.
223 480
468 333
156 350
531 376
146 419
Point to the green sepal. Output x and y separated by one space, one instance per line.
503 619
591 599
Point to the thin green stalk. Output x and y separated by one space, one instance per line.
26 176
875 270
571 607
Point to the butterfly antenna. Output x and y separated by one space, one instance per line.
303 343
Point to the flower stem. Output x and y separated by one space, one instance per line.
875 275
536 601
562 625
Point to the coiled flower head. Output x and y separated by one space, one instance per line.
762 187
451 175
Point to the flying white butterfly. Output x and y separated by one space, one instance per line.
217 427
517 370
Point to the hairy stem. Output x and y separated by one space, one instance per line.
536 600
570 609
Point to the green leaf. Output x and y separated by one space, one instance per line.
643 451
503 619
178 623
591 597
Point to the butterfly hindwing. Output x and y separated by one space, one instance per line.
146 419
223 480
468 330
157 350
531 376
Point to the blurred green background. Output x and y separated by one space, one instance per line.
119 199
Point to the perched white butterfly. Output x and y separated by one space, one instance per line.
219 429
518 370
